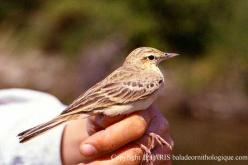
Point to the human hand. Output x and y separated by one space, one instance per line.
105 140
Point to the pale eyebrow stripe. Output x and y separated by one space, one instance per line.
150 51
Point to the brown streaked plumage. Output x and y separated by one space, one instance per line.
132 87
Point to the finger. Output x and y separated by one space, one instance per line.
116 135
103 121
159 125
130 154
99 122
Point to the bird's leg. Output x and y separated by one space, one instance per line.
159 139
147 158
147 150
152 145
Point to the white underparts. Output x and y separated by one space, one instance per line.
129 108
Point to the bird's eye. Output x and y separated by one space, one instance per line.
151 57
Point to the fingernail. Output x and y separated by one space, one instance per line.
88 149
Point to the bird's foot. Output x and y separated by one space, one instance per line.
147 157
155 138
159 140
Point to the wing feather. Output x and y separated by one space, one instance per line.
126 89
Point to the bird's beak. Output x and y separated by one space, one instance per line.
169 55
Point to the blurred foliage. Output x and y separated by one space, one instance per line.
190 27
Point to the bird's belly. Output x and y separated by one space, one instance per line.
129 108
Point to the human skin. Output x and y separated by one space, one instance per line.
103 140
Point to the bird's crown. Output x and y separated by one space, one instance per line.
147 56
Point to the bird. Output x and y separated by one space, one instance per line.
133 86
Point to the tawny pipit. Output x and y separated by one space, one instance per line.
132 87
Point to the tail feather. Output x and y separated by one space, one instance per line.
35 131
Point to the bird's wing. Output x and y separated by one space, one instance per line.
128 88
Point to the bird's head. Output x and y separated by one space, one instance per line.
147 56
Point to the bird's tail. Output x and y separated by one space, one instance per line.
35 131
